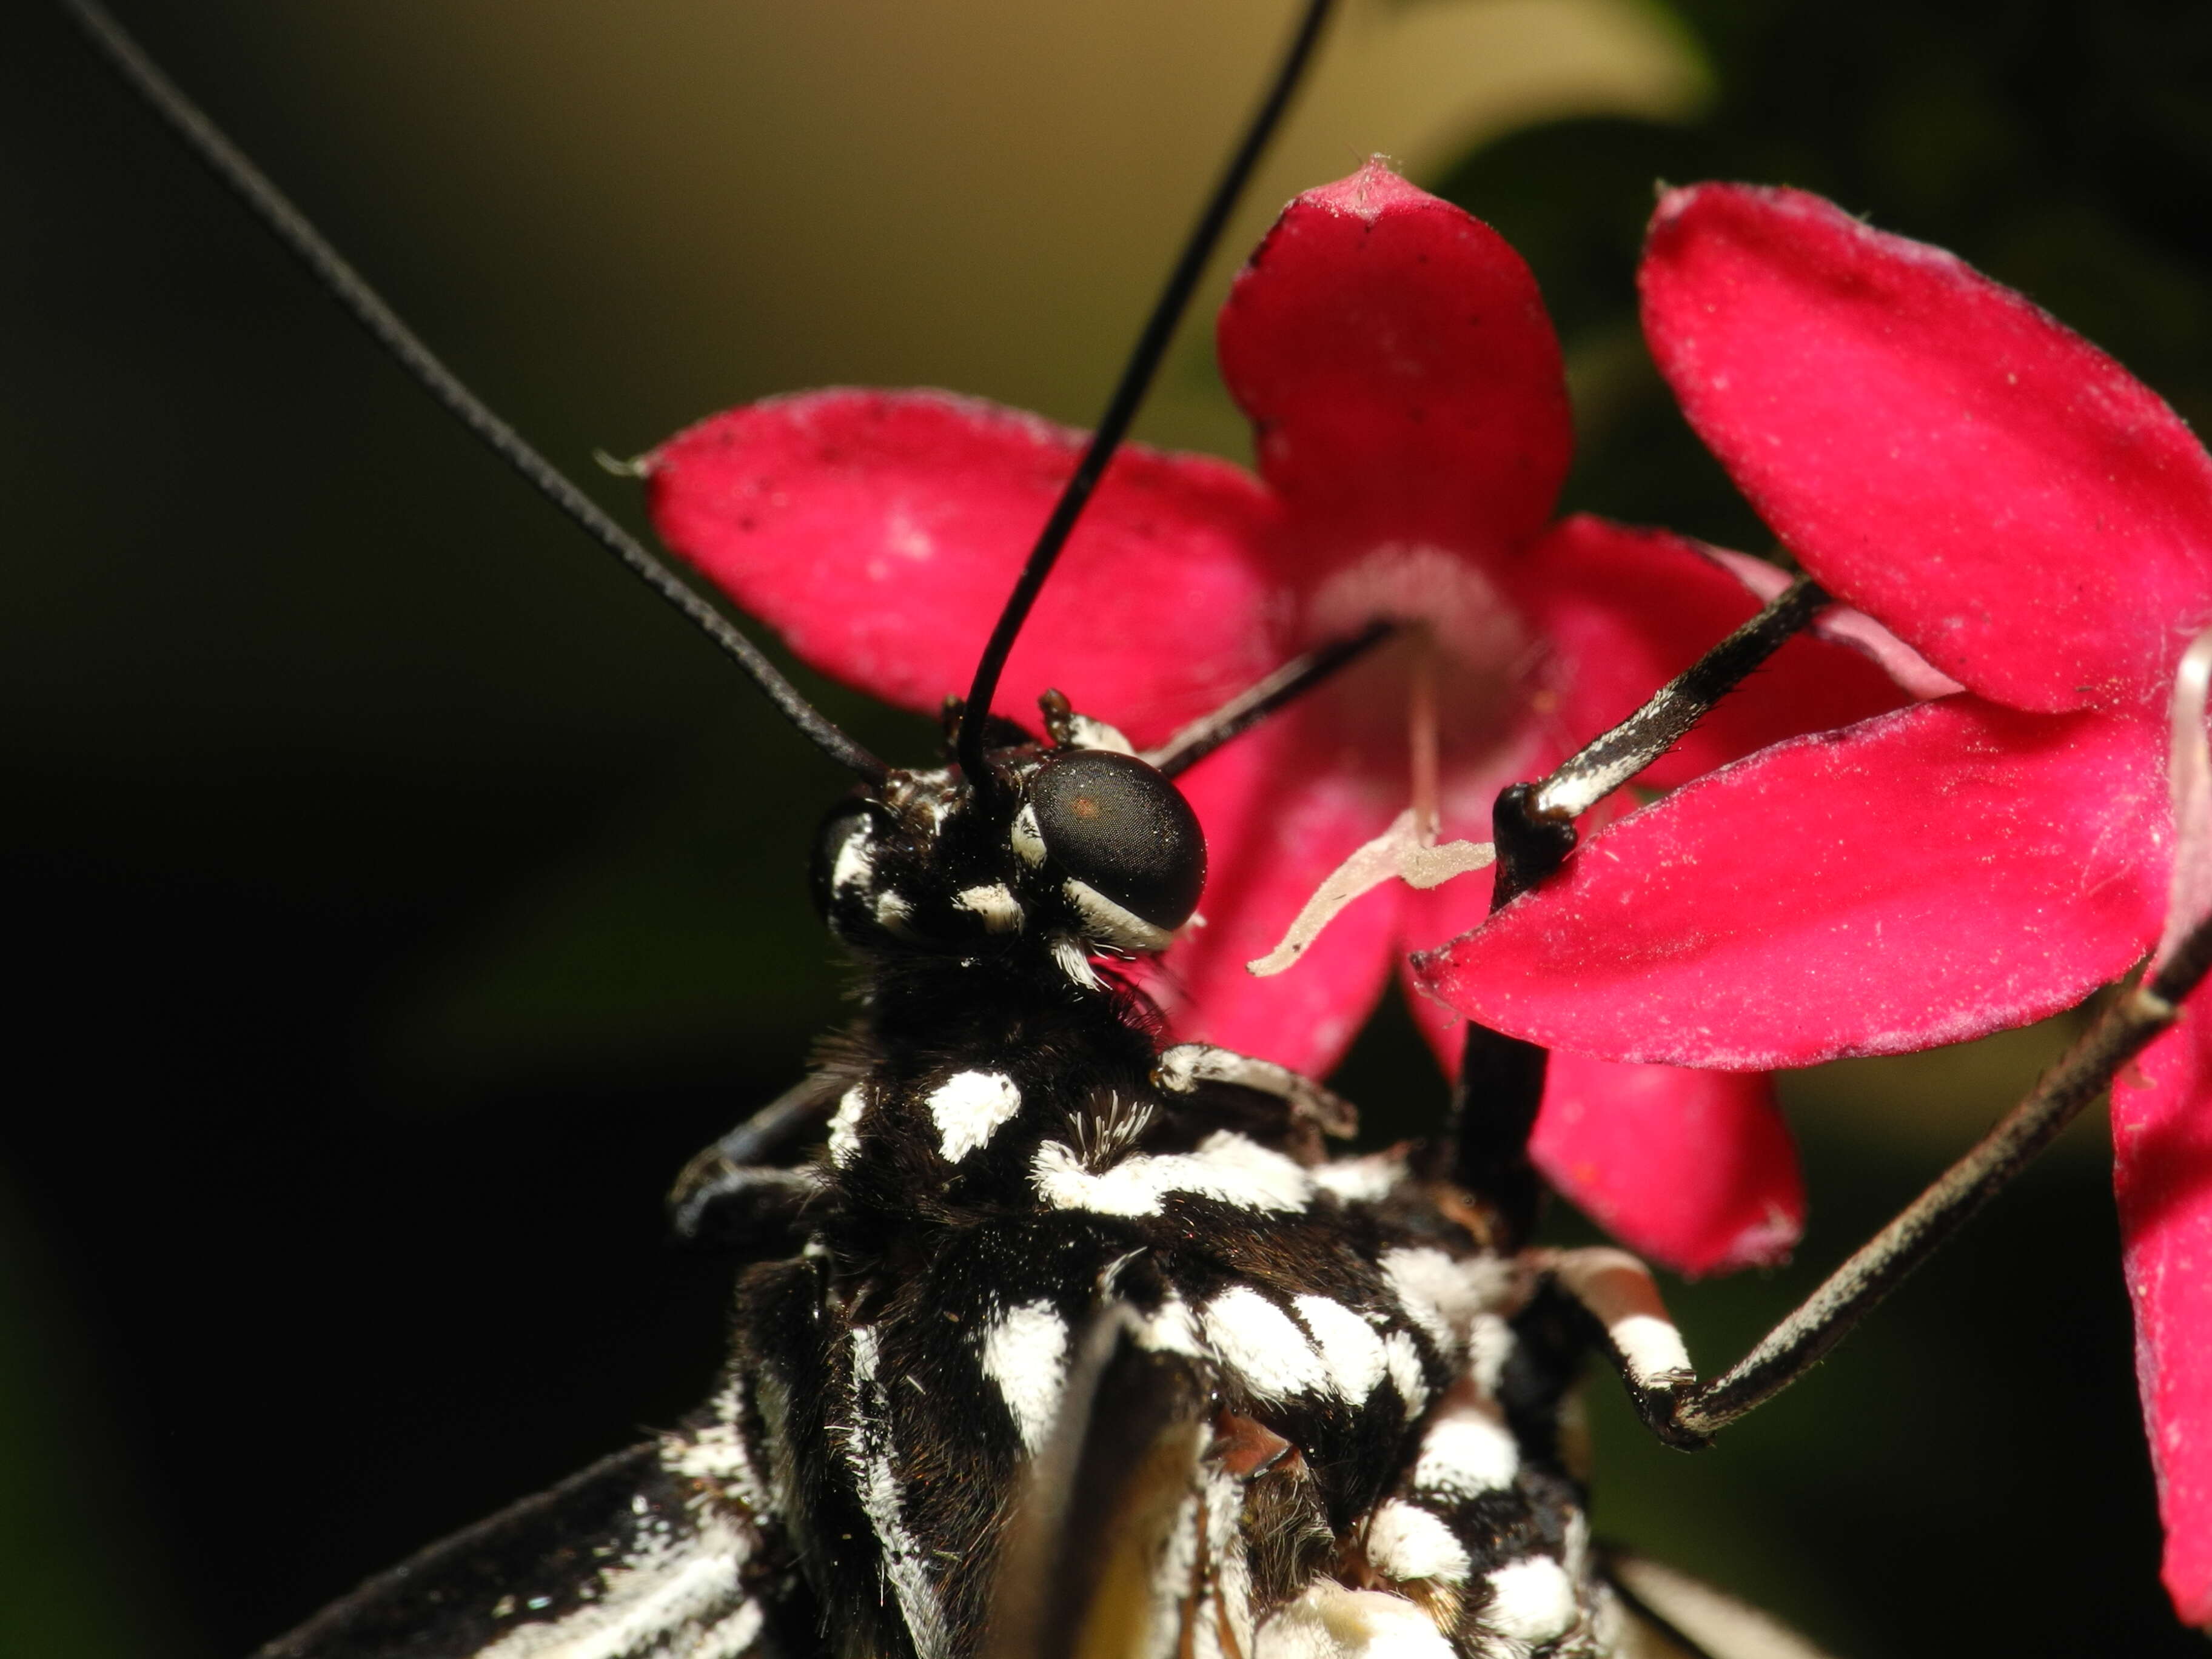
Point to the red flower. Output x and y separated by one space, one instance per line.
1412 432
2039 524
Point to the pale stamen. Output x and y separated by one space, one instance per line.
1401 852
1421 735
2189 779
1407 850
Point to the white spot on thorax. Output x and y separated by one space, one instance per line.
1073 960
969 1107
995 902
1532 1601
1348 1345
892 911
1025 1353
1444 1295
1490 1343
1173 1329
1361 1180
1404 1360
1466 1453
1406 1542
845 1126
1257 1340
1227 1166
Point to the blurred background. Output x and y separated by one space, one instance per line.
397 895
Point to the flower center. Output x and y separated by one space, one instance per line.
1433 718
1438 712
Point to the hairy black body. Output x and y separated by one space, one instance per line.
1011 1161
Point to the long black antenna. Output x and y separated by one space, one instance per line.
1136 379
352 292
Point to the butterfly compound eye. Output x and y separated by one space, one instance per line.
1118 826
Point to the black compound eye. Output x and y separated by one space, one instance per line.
1122 829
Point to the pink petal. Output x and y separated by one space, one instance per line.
1846 625
1625 610
1695 1170
1951 869
2162 1135
1936 449
1278 817
1397 363
878 532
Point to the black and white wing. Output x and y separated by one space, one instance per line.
634 1557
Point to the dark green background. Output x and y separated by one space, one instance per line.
396 897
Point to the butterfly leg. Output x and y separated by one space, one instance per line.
731 1194
1687 1413
1825 1317
1184 1068
1628 1321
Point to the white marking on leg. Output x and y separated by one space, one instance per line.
1531 1601
1331 1622
1405 1541
1227 1166
1349 1347
845 1126
1466 1453
1257 1340
1619 1290
1024 1351
1574 1550
1651 1350
969 1107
